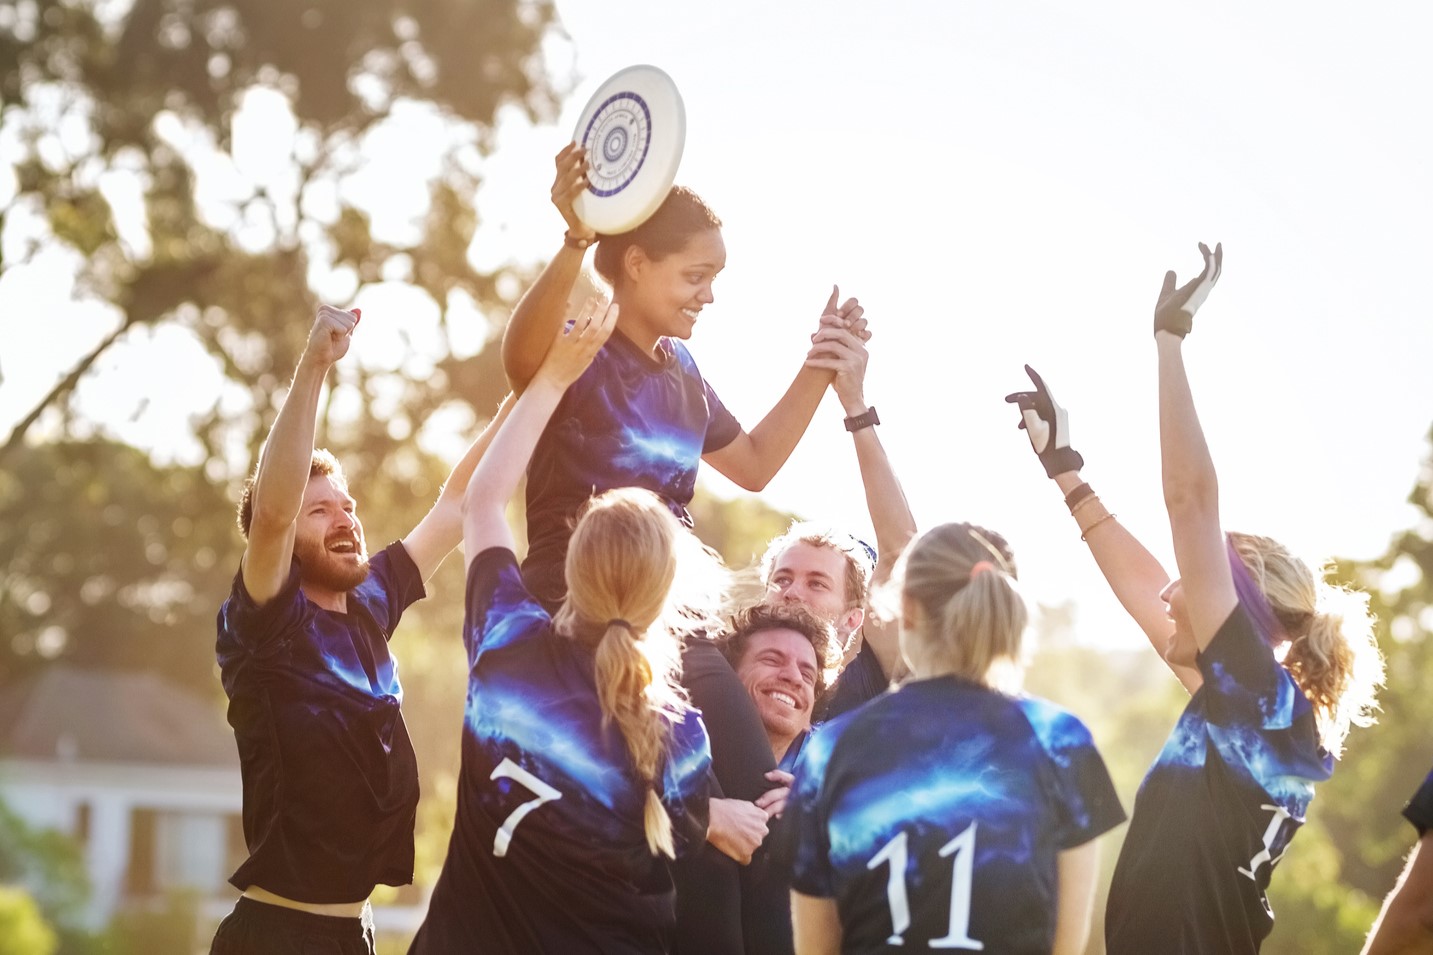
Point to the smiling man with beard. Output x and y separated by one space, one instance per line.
330 779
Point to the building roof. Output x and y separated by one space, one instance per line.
67 714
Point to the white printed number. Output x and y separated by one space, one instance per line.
962 849
508 769
1271 832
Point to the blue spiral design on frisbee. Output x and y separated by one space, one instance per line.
618 140
615 144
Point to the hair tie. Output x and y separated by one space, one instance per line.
981 567
619 622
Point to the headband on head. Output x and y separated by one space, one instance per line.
1252 598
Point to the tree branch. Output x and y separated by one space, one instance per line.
63 387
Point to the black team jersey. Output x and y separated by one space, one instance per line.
631 420
1419 810
1217 810
330 780
934 816
549 852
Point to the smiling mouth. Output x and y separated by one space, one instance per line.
781 697
691 313
344 546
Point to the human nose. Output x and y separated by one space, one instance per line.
705 296
1168 591
790 673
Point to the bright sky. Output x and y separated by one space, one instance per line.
1003 183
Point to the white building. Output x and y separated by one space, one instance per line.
145 776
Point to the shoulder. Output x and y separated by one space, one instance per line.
1058 731
682 358
499 605
1242 677
392 568
240 616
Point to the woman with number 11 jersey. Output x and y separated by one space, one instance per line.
581 766
947 813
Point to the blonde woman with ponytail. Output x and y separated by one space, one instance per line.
1279 665
583 771
951 812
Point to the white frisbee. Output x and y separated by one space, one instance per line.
633 128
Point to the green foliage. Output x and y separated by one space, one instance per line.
738 528
164 929
47 868
23 930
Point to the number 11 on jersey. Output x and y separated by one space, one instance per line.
961 849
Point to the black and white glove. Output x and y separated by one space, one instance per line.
1174 313
1048 427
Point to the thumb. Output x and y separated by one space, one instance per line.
833 301
1168 285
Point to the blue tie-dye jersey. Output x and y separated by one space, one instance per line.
1218 808
330 780
629 421
934 815
549 852
1419 810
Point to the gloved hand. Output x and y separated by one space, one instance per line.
1174 312
1048 427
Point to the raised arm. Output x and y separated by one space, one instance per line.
752 459
839 350
498 472
1191 489
441 529
540 312
1134 575
284 463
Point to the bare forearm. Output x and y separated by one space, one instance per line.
497 473
538 315
1133 573
776 435
284 463
1187 468
885 498
457 483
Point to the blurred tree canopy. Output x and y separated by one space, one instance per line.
121 125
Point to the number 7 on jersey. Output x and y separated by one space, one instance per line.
508 769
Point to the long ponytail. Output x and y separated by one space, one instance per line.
621 563
1332 653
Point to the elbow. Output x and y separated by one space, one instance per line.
753 482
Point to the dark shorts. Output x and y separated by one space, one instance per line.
257 928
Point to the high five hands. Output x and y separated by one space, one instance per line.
1174 312
1047 425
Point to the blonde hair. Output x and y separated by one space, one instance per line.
973 618
621 564
860 561
1332 654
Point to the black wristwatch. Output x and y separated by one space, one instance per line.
863 420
